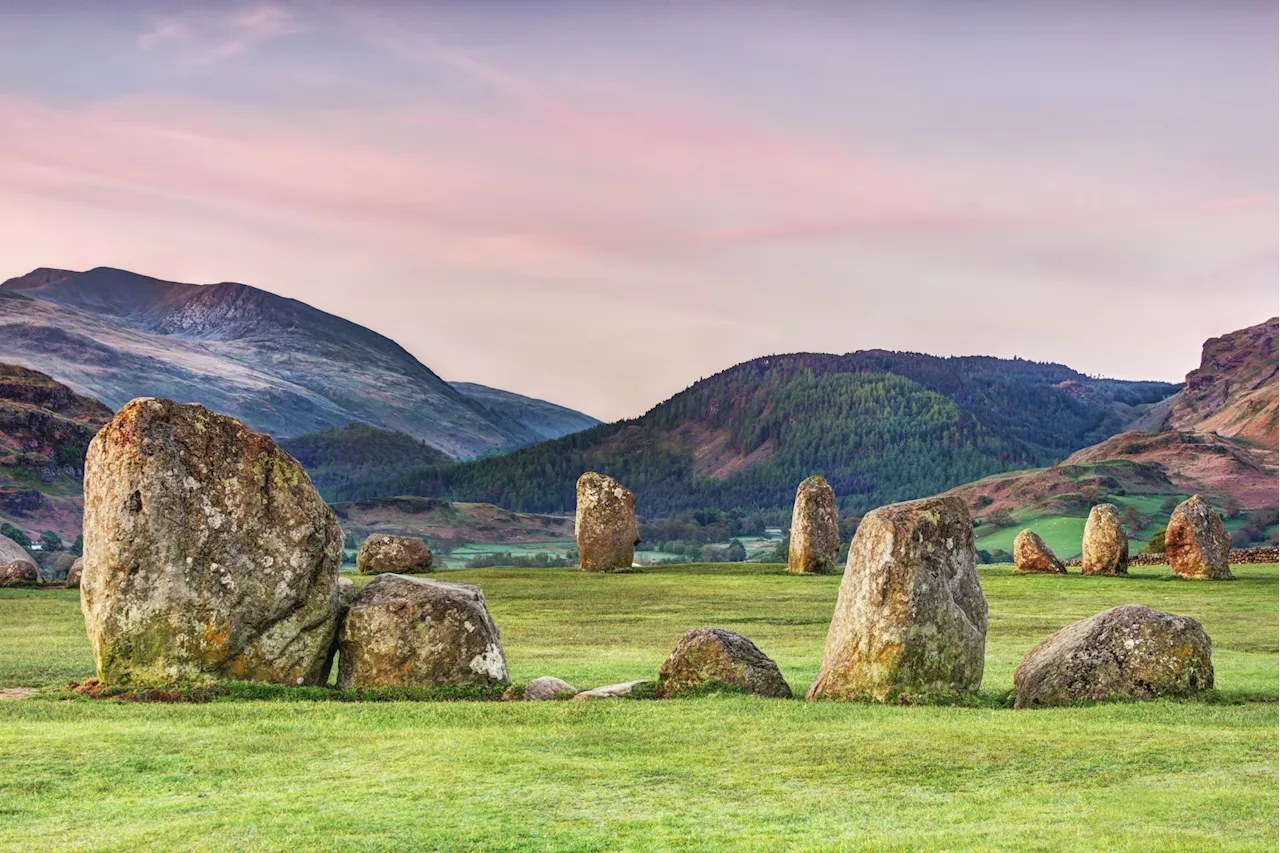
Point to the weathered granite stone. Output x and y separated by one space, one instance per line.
546 688
815 529
605 525
208 553
1105 549
1129 651
346 591
404 631
911 616
402 555
16 565
710 656
73 576
1031 555
1197 542
611 691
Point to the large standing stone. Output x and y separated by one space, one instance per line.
403 555
710 656
1105 549
911 616
1031 555
605 525
208 553
1129 651
16 565
1196 541
815 529
402 631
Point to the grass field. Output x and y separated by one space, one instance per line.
717 772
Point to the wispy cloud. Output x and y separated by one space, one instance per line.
214 37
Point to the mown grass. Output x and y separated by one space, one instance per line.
248 771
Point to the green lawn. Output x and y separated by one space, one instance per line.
727 772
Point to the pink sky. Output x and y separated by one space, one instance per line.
598 205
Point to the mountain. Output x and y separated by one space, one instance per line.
546 420
337 458
278 364
881 426
45 429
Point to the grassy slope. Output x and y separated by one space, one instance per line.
709 773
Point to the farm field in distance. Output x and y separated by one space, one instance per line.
702 773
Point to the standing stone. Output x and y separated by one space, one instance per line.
815 529
73 575
1106 544
1196 542
402 555
605 525
402 631
911 616
710 656
16 565
1032 556
208 553
1130 651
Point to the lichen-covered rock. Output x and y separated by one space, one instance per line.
709 656
546 688
401 555
207 553
911 616
815 529
1032 555
403 631
1196 542
611 691
605 524
16 565
346 591
1129 651
1105 549
73 574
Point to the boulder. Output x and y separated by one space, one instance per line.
401 555
73 575
546 688
1196 542
1032 556
605 524
709 656
16 564
403 631
611 691
911 616
208 553
1105 549
815 529
1129 651
346 591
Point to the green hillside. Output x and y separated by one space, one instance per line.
336 458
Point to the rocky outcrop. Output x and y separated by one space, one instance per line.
1130 651
1105 549
546 688
73 575
911 616
708 657
605 524
208 554
815 529
1032 556
403 631
1196 542
402 555
16 565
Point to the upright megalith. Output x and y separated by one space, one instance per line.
402 631
1032 556
911 616
605 524
208 553
1130 651
1105 549
815 529
382 553
1196 542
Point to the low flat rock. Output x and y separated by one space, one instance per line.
382 553
1032 556
1130 651
1197 543
546 688
403 631
611 691
709 656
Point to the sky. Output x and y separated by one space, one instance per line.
599 204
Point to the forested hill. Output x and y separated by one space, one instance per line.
881 426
